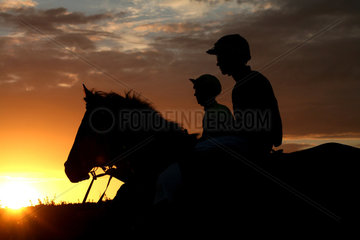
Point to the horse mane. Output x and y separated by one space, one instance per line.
130 100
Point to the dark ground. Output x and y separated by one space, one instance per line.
66 221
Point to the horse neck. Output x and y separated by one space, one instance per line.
164 149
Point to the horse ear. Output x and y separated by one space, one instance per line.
88 93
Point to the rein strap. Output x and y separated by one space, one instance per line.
94 177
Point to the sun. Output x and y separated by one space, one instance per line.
17 193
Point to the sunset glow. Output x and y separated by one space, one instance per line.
309 52
17 193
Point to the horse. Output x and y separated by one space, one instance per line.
146 151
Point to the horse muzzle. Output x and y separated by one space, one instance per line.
76 173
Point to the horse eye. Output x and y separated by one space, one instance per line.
102 120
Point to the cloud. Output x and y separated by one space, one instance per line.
50 20
212 1
16 4
50 47
69 80
72 30
76 40
185 9
9 79
169 28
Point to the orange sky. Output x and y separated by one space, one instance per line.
309 51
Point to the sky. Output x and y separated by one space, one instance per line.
308 49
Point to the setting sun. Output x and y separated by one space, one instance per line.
16 193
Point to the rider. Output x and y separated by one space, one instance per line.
218 119
252 95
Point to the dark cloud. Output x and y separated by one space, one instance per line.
50 20
59 25
53 48
321 7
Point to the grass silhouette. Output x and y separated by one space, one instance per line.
48 220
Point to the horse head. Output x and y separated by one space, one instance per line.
114 131
89 148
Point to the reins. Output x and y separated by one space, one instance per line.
94 177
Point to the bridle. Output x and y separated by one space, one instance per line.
94 177
114 161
